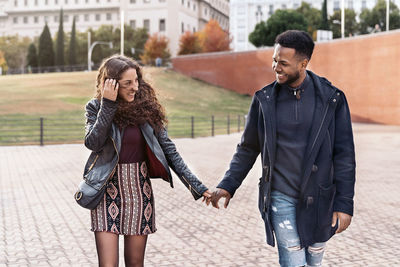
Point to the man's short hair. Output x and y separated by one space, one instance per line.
299 40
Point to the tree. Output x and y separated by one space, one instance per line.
312 15
134 38
156 46
15 49
189 43
350 24
324 20
377 16
213 38
60 42
32 59
72 46
46 52
280 21
3 63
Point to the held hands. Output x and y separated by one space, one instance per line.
110 89
216 195
207 197
343 219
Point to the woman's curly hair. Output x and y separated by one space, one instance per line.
144 108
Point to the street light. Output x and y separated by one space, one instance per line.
342 26
90 49
387 14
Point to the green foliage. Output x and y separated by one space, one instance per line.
377 16
60 41
280 21
324 17
72 46
312 15
350 24
46 52
15 49
32 58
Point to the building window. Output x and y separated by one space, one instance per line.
194 29
66 2
205 11
350 3
188 4
194 7
46 19
76 18
66 17
133 1
26 2
146 1
283 6
25 20
86 1
86 17
36 2
46 2
271 9
183 2
146 24
336 5
97 17
162 25
183 27
55 18
133 24
15 20
108 16
36 19
97 1
364 4
16 3
56 2
76 1
161 1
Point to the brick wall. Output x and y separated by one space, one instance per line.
366 68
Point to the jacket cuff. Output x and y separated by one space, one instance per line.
226 187
345 205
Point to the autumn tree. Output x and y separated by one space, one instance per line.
156 46
3 63
15 49
213 38
189 43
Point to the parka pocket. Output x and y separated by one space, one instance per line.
325 206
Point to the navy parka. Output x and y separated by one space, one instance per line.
328 173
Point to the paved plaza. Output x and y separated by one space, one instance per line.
41 225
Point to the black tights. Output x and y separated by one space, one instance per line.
107 249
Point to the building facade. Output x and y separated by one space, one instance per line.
168 17
245 14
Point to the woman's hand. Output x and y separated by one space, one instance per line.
207 197
110 89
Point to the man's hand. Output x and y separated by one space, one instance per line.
343 219
217 194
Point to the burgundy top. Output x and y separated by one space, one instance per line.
133 146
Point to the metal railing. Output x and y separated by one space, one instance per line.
18 131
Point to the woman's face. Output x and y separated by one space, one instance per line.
128 85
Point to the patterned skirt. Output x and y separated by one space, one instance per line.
128 204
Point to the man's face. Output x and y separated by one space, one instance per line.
287 65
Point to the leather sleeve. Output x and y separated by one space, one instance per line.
177 164
99 117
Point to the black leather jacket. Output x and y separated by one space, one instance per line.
104 139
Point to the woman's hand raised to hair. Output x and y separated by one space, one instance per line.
110 89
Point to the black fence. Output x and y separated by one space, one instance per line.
16 131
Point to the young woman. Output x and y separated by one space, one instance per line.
125 131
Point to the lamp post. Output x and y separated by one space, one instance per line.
387 14
342 24
90 49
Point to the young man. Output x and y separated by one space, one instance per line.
301 126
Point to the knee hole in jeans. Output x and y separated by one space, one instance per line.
316 250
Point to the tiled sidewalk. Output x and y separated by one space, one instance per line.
41 225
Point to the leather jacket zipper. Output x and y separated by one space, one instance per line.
190 186
94 162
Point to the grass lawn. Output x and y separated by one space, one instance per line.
63 95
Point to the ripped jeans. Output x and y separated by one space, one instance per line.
283 218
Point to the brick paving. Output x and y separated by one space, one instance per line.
41 225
